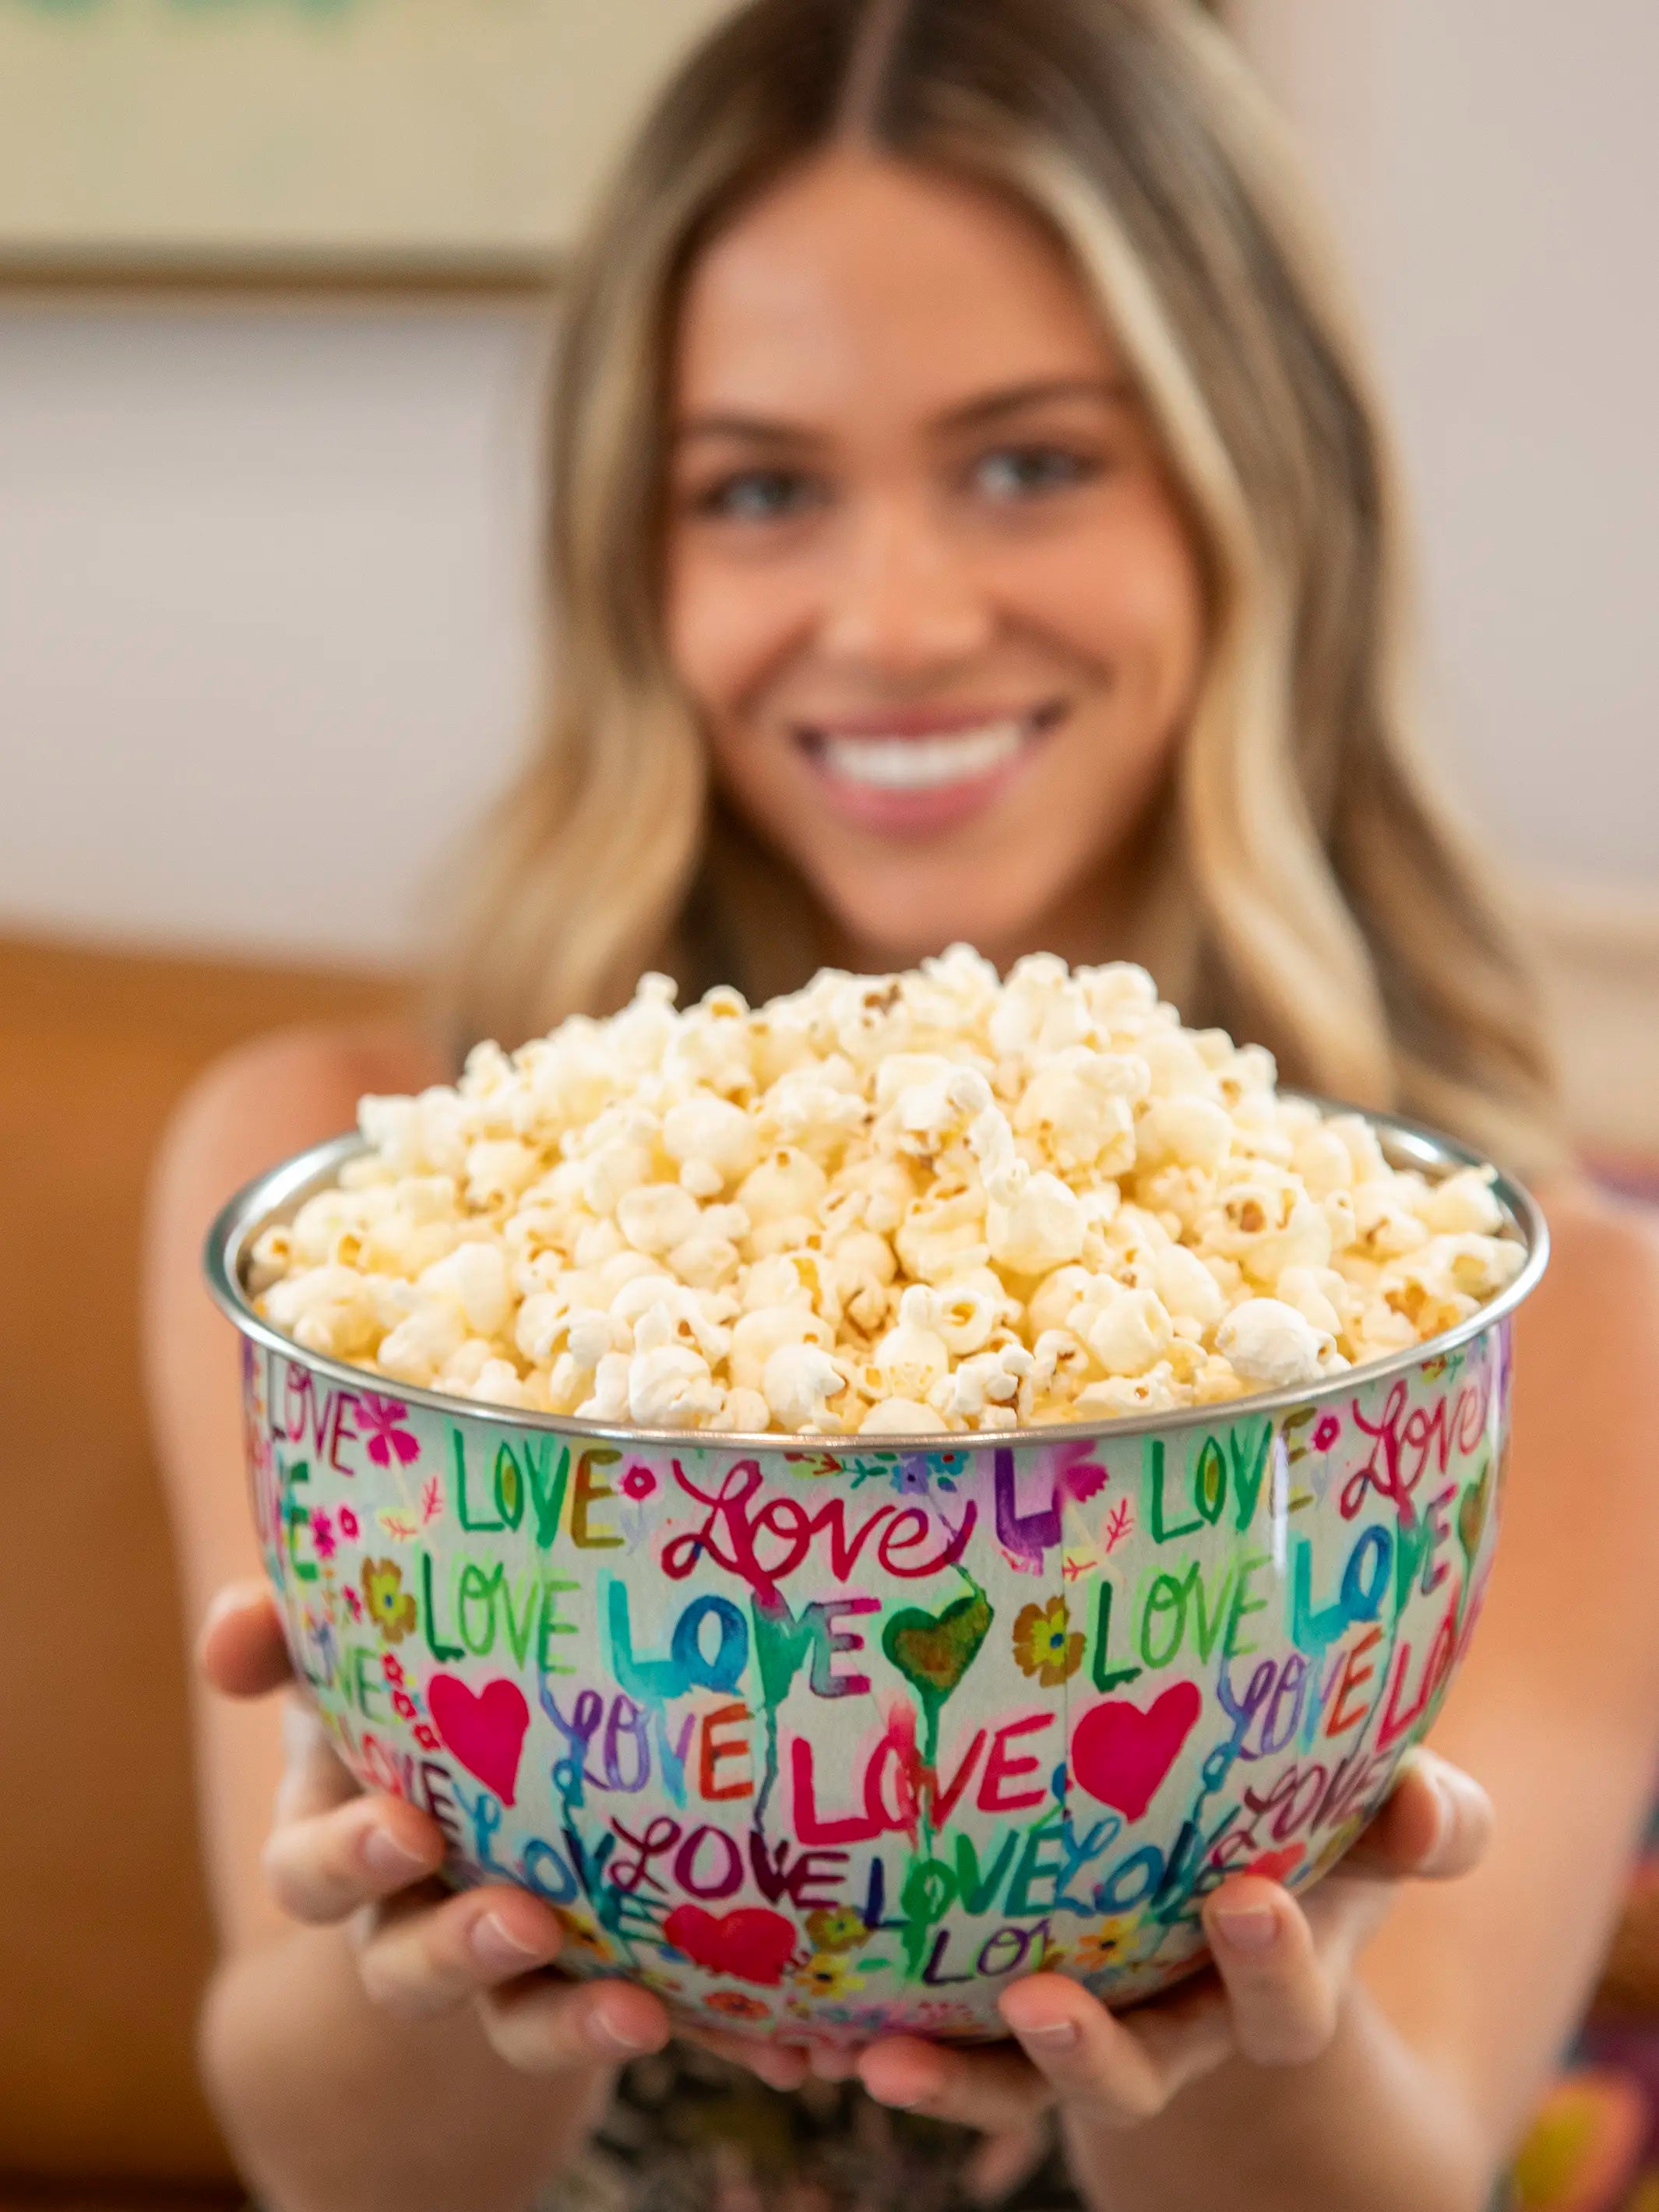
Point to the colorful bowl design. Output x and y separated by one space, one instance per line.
818 1739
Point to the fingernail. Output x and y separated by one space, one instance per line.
231 1599
613 2035
235 1597
1248 1926
388 1858
902 2101
1049 2035
496 1946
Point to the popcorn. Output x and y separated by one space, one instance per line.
706 1131
913 1357
908 1205
656 1217
670 1387
1275 1345
798 1382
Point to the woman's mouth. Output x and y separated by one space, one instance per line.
919 770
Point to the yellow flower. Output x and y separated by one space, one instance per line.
582 1934
836 1927
390 1608
829 1974
1105 1946
1042 1645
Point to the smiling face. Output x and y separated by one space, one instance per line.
927 580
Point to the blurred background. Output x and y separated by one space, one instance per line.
276 279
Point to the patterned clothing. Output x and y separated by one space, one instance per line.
1594 2145
689 2133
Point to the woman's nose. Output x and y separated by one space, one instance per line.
903 601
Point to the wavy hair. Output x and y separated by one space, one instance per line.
1305 888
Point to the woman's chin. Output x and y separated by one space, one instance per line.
882 932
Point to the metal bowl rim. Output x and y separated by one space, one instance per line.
262 1200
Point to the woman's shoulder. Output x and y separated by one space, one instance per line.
259 1104
298 1086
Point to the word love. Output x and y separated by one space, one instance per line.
763 1544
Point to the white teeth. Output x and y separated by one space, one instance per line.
923 763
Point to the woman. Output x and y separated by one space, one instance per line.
968 520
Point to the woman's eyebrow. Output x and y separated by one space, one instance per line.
772 429
974 414
971 414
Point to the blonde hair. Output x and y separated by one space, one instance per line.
1303 887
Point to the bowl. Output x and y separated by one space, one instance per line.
829 1738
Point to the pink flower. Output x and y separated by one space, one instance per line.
426 1736
348 1520
403 1704
1327 1433
322 1535
354 1603
1080 1477
392 1668
639 1483
381 1420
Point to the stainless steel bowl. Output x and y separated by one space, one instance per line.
831 1736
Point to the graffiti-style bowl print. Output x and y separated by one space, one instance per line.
825 1737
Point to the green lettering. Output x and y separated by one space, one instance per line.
509 1486
1243 1605
1152 1477
434 1643
550 1625
1206 1623
475 1528
1249 1459
1034 1868
1210 1481
297 1516
473 1584
1106 1676
362 1685
589 1493
1167 1595
546 1490
977 1891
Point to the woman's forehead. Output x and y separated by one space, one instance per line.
860 282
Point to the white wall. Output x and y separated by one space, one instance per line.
266 587
1493 169
266 611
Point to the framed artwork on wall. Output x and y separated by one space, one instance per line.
449 139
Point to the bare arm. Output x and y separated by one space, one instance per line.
1468 1992
1557 1710
334 2102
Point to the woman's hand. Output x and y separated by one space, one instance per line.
337 1854
1273 1996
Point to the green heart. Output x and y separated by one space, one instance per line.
933 1652
1472 1513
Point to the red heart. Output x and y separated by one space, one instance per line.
1121 1755
751 1944
485 1729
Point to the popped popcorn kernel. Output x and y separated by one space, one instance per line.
900 1204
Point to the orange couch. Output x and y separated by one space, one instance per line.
104 1933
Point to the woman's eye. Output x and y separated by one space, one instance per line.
1023 471
759 495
